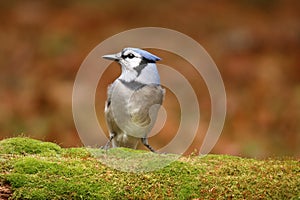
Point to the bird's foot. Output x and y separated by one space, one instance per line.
108 144
145 142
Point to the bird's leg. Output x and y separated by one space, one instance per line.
111 137
145 142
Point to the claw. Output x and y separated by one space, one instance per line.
108 144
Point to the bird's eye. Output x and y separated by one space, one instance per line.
130 55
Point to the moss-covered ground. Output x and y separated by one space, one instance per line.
31 169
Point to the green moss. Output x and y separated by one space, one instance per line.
76 152
39 170
22 145
129 160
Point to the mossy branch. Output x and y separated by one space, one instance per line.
41 170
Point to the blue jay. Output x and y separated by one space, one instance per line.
133 99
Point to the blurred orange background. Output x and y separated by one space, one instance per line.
255 44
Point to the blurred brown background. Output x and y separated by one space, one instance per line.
255 44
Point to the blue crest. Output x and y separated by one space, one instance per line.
145 54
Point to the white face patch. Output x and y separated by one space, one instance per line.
130 59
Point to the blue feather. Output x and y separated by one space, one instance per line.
146 54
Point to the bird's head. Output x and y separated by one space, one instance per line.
132 58
137 64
